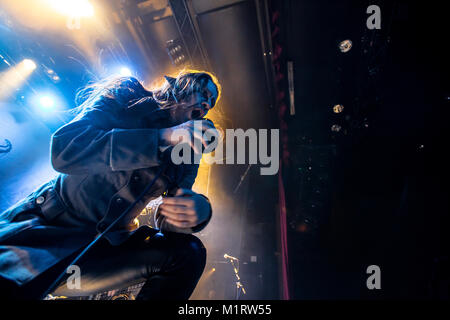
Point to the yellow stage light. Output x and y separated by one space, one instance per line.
14 77
338 108
345 46
29 64
72 8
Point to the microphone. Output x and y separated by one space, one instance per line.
226 256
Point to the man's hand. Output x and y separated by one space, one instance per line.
185 133
186 209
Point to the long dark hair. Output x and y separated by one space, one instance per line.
126 91
122 90
186 82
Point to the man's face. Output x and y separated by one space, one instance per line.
199 103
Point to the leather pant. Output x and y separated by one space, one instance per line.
170 264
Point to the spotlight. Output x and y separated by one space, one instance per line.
176 52
345 46
338 108
124 71
46 102
13 77
72 8
336 128
29 64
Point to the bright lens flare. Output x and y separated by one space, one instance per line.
72 8
47 102
124 71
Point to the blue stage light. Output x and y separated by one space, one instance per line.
47 102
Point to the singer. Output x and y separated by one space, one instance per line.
114 147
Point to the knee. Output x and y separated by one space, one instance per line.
196 249
194 252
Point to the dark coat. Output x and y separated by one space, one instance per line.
106 157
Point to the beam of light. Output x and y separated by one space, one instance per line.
84 22
72 8
14 77
208 273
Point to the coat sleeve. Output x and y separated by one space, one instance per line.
161 223
93 144
190 173
187 182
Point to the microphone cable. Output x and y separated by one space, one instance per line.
101 235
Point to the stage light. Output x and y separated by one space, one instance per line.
72 8
208 273
338 108
46 102
345 46
302 227
176 52
124 71
14 77
29 64
336 128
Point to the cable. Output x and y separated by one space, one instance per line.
89 246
